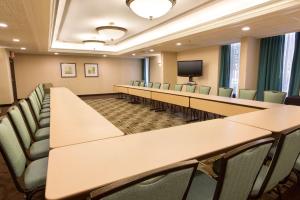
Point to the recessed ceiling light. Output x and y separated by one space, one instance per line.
3 25
16 40
56 53
178 44
246 28
104 55
23 48
151 50
133 54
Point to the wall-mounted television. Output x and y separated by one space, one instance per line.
191 68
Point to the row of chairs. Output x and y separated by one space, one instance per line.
269 96
24 141
239 174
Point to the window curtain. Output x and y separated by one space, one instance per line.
144 69
225 66
270 65
295 73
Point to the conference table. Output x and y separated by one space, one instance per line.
96 156
77 169
277 120
73 121
224 106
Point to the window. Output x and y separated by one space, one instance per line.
289 47
234 66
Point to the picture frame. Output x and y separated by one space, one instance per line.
68 70
91 70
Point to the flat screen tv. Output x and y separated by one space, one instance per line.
191 68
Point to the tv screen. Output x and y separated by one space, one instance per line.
190 68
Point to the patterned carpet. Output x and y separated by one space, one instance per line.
130 118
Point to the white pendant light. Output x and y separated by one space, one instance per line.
93 44
150 9
111 33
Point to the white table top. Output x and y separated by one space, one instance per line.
243 102
73 121
80 168
277 120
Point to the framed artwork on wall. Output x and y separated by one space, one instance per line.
68 70
91 70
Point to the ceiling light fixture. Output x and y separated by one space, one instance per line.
151 50
133 54
111 33
56 53
104 56
16 40
93 44
178 44
246 28
150 9
23 48
3 25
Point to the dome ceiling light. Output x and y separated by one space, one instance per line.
111 33
93 44
150 9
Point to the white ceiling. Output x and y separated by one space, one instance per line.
81 19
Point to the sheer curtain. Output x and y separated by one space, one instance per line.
234 66
289 47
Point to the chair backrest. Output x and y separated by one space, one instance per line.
35 105
247 94
190 88
20 126
142 84
284 159
239 169
41 87
225 92
166 86
28 115
274 96
39 94
136 83
150 85
204 89
11 149
131 82
168 183
178 87
156 85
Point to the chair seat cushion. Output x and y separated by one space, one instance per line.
45 110
44 122
259 180
39 149
44 115
35 174
202 187
42 133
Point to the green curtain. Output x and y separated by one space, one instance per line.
225 66
270 65
294 86
144 69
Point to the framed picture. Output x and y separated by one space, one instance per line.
68 70
91 70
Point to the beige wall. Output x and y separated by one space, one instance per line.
169 64
6 92
249 63
34 69
156 69
211 65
